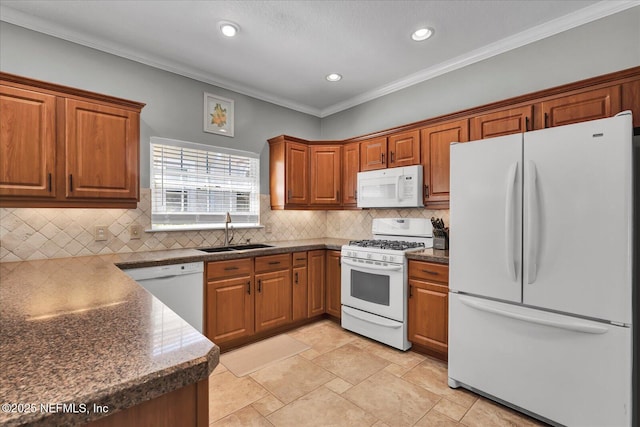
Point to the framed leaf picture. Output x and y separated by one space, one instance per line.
218 115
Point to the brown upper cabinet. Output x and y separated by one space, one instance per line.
288 173
373 154
401 149
326 175
404 149
435 159
350 169
580 107
65 147
503 122
427 142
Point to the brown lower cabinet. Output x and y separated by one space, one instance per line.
429 307
332 299
187 406
248 297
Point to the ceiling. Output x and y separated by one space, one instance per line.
285 49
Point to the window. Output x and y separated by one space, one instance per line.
194 186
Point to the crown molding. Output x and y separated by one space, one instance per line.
591 13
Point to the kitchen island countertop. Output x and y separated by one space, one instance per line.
79 332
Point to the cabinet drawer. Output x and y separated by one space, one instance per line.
230 268
273 262
429 271
299 259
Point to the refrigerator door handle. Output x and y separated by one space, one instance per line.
532 223
509 222
574 325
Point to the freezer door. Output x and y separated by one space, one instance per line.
572 371
577 219
485 219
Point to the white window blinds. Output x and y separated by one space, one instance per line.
195 185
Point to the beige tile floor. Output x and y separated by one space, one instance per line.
347 380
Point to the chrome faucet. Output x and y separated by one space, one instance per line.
227 221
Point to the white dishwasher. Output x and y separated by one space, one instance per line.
178 286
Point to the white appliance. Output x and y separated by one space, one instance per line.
541 260
178 286
390 188
374 279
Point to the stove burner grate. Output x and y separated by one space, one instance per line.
387 244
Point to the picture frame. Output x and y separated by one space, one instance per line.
218 115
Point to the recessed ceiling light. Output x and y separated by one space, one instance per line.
422 34
333 77
228 29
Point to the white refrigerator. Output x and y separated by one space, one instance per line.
541 271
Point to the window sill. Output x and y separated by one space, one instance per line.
192 227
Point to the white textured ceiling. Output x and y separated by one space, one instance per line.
285 48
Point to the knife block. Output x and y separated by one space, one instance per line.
441 238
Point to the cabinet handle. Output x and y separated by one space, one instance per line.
433 273
426 191
355 195
49 182
274 262
249 287
230 268
526 124
296 278
382 158
71 182
260 285
546 120
288 194
338 195
391 157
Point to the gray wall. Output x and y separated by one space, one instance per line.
174 103
600 47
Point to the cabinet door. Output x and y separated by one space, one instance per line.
350 169
404 149
102 145
435 141
373 154
299 279
297 173
273 299
229 309
27 143
590 105
505 122
333 305
316 282
428 315
325 175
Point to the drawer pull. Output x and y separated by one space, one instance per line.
274 262
230 268
301 259
434 273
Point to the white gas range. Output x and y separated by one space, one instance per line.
374 279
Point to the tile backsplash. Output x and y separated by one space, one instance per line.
27 234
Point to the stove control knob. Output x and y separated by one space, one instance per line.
391 259
384 257
369 256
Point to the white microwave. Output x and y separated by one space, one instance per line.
391 188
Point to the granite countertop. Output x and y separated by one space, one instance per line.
431 255
80 331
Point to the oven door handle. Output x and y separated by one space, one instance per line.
380 321
371 267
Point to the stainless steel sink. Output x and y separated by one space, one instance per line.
235 248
